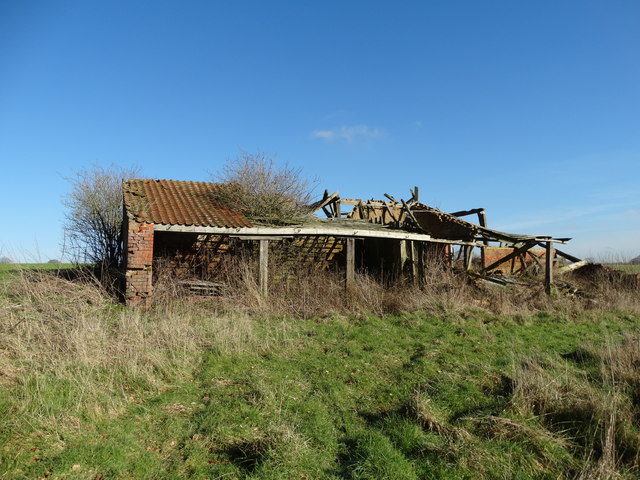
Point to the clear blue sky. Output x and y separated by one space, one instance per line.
530 109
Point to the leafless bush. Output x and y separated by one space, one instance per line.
93 221
263 190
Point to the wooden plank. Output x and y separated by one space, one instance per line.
414 262
351 263
573 266
468 257
326 200
390 212
262 237
464 213
410 213
571 258
345 231
414 195
548 271
264 267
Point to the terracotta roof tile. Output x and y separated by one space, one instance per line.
173 202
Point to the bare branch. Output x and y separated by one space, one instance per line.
263 190
93 221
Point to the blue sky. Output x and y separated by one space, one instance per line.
530 109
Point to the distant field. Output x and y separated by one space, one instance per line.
625 267
6 268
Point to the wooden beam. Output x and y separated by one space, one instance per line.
414 195
482 217
464 213
414 262
351 263
264 267
330 230
572 267
571 258
390 198
326 200
468 257
261 237
410 213
548 272
390 212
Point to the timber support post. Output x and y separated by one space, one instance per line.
548 273
414 262
263 274
351 263
468 257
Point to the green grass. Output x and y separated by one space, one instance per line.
411 396
39 267
625 267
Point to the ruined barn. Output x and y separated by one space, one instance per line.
182 228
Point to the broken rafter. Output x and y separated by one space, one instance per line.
414 195
390 198
410 213
464 213
322 204
572 267
571 258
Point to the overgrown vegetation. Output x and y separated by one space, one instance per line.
264 190
455 380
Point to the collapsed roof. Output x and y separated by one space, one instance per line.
174 205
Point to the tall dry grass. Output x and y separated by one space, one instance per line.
308 290
597 411
75 351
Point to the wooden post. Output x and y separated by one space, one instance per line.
414 262
468 257
548 273
404 257
264 267
482 220
351 262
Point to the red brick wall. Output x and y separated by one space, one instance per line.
493 254
139 259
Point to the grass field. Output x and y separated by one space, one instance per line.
42 267
90 389
625 267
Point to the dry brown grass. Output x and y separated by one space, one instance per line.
597 418
310 291
55 331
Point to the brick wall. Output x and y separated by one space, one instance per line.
139 260
493 254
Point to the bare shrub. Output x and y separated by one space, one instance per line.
93 221
263 190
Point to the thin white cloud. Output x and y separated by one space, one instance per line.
348 133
